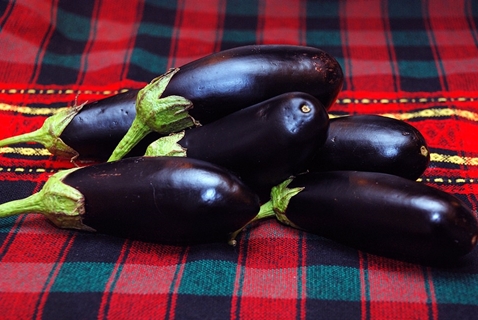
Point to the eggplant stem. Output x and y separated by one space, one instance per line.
154 113
133 136
60 203
266 211
49 134
16 207
277 206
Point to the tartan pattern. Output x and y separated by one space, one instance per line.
413 60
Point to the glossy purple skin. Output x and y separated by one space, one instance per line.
233 79
385 215
263 144
373 143
163 199
218 85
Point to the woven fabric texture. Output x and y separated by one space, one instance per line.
412 60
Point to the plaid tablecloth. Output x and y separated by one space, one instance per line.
412 60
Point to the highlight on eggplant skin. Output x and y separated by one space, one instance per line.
156 199
263 144
379 213
373 143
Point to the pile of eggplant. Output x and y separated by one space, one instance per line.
238 136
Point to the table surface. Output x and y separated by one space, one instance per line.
413 60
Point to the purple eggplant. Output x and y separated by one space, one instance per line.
201 91
157 199
263 144
373 143
378 213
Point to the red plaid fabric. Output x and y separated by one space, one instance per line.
411 60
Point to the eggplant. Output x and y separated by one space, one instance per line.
373 143
229 80
201 91
89 131
379 213
263 144
156 199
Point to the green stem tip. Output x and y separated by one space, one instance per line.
277 206
266 211
154 113
49 134
60 203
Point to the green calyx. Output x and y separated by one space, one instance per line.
60 203
49 134
167 146
154 113
280 198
